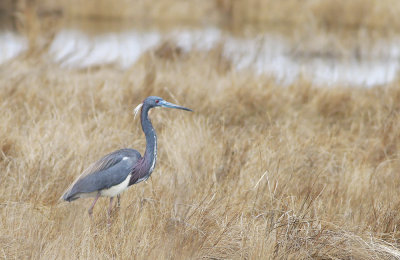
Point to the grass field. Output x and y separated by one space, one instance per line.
257 171
381 16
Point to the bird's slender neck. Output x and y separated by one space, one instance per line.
150 155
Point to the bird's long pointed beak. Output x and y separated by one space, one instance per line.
170 105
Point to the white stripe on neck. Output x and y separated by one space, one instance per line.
153 163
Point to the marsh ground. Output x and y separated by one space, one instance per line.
257 171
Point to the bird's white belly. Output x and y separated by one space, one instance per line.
87 195
117 189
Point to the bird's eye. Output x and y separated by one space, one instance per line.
157 101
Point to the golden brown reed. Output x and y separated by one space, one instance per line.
258 171
326 14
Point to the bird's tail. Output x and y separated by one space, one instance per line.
66 195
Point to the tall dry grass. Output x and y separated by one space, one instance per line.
258 171
322 14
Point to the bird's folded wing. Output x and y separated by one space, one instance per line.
105 163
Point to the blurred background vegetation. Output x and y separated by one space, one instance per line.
324 14
315 29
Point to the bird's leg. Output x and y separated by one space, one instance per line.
119 200
90 211
110 207
109 211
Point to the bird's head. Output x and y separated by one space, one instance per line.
154 101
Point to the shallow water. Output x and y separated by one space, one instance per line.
11 45
265 52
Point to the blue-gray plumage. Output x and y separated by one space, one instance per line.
118 170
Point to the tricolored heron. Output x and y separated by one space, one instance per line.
115 172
